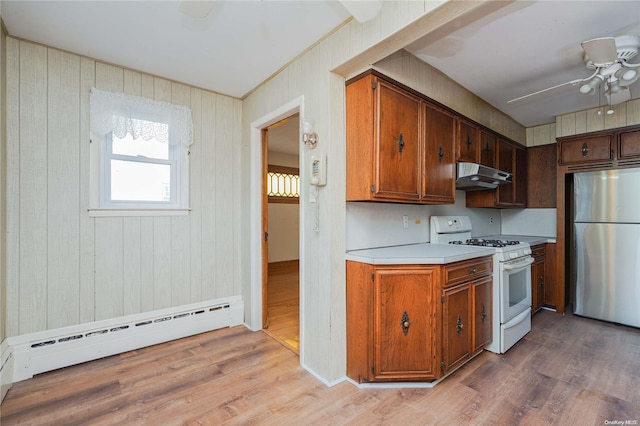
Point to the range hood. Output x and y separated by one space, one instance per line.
473 177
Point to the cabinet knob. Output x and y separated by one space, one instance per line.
459 325
540 281
469 142
472 271
484 313
400 143
440 154
585 150
405 323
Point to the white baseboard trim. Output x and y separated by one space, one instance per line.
322 379
37 353
6 368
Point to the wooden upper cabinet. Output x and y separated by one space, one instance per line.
505 154
438 185
520 177
541 176
399 146
397 141
383 141
510 158
586 149
629 144
468 142
487 149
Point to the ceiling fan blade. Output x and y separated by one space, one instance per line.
601 51
572 82
196 8
620 96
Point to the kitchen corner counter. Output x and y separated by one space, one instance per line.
418 254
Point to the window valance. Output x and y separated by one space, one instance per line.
143 118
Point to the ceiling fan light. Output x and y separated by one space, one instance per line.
629 75
589 88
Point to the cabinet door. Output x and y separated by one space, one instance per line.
397 143
487 149
404 324
482 302
456 326
586 149
520 178
537 284
629 145
468 142
505 162
541 176
439 156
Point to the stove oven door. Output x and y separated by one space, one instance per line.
515 287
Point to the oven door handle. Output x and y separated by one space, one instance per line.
518 265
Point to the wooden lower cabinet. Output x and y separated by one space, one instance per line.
543 292
456 326
482 296
404 323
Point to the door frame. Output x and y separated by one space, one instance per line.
254 319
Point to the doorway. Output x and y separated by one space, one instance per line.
281 222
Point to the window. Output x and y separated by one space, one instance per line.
139 152
283 184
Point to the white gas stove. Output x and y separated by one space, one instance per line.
511 277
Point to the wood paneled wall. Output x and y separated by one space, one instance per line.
415 73
66 268
575 123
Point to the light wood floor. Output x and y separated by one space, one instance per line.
567 371
284 304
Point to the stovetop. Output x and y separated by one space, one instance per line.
486 242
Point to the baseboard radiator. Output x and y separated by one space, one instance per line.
24 356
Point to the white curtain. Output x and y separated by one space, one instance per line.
141 117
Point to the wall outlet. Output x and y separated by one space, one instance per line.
405 221
490 220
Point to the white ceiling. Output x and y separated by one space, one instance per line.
521 48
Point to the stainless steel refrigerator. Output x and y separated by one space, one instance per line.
607 245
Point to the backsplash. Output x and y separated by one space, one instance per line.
538 222
370 225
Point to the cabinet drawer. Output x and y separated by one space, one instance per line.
538 251
467 270
629 145
586 150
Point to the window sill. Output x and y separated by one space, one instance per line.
137 212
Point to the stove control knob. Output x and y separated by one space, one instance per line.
513 255
450 223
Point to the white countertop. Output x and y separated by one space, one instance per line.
418 254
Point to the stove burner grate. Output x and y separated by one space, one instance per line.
486 243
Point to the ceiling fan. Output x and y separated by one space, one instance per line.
608 57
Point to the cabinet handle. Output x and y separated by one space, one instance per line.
540 281
484 313
405 323
440 154
400 143
487 149
459 325
472 270
585 150
469 142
